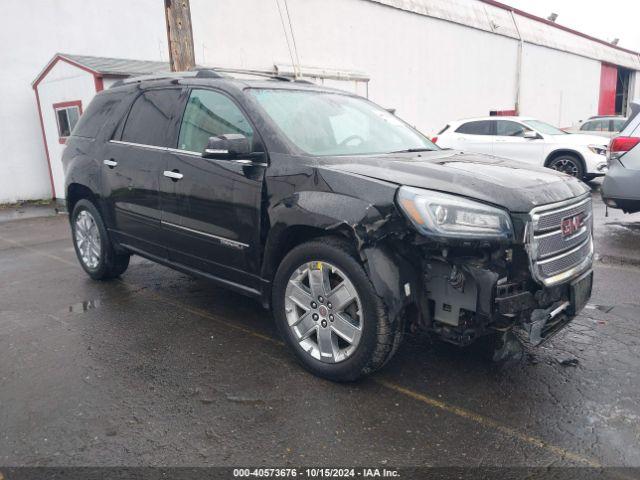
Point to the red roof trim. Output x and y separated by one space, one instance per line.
58 57
554 24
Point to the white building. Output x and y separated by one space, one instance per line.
431 60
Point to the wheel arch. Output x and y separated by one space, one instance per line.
78 191
282 240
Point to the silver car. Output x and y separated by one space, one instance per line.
605 126
621 186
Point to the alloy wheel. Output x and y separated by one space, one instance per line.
87 237
324 311
566 165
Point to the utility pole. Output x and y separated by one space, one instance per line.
179 35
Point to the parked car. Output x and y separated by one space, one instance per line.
528 140
605 126
620 188
345 221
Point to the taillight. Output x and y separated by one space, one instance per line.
623 144
434 140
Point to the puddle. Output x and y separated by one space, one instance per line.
628 311
602 308
85 306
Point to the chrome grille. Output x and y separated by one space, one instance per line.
550 220
559 264
554 242
555 257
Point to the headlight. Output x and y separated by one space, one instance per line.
438 214
599 149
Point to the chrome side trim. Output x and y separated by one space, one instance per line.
140 145
224 241
187 152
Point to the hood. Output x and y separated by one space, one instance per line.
513 185
580 139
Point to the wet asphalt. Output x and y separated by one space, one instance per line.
158 368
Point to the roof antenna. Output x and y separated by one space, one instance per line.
553 17
293 37
286 36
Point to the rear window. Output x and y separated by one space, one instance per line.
478 127
150 118
100 110
617 125
446 127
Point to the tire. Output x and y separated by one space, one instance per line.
569 164
377 339
99 260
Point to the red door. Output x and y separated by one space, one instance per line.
608 81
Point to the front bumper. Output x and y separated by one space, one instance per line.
546 322
596 164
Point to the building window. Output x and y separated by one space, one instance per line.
67 115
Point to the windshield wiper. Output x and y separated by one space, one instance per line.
414 150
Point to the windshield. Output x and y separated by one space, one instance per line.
543 127
320 123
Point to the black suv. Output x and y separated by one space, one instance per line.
349 224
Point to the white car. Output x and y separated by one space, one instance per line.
528 140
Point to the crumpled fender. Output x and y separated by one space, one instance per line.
356 219
395 280
364 224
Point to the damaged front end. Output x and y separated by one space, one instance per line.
525 276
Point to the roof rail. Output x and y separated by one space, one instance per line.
200 73
256 73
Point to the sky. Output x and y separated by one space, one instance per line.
604 19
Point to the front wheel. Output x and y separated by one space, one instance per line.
329 313
93 247
568 164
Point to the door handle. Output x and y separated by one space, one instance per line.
174 175
110 163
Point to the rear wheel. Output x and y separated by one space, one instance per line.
329 313
93 247
568 164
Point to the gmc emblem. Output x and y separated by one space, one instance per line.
571 225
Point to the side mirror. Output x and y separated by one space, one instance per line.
227 147
531 135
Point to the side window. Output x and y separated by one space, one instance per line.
209 114
150 117
596 126
479 127
102 110
507 128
